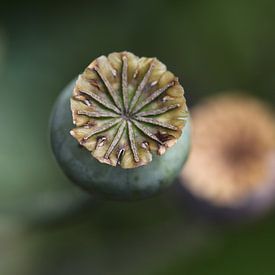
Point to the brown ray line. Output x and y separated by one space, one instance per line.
154 95
132 141
110 89
116 139
142 85
146 131
101 101
102 128
159 111
156 122
96 114
125 83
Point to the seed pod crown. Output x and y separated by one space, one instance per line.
125 108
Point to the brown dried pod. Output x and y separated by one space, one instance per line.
123 112
125 108
232 163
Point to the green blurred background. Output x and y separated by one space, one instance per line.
48 226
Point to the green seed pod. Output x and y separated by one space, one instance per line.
127 112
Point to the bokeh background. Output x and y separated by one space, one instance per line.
48 226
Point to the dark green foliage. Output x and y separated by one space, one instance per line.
211 45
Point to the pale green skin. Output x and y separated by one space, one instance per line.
102 179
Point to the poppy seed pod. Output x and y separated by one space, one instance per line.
112 128
231 168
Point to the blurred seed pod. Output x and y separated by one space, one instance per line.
231 169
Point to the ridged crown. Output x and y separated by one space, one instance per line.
125 108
